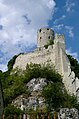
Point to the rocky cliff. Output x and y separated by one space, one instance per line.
35 100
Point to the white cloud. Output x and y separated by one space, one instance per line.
3 67
69 29
20 20
69 5
66 29
58 27
59 19
73 54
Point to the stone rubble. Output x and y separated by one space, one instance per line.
66 113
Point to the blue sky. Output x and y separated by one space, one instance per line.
19 21
67 18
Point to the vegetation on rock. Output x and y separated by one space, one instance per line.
56 97
11 62
74 65
14 84
10 109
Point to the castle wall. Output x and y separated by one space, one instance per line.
62 65
38 57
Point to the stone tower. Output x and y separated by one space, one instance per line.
43 36
1 101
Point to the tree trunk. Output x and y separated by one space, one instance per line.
55 115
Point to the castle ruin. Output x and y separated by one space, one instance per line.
55 54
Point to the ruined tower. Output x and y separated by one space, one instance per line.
43 36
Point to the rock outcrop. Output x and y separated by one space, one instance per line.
66 113
35 100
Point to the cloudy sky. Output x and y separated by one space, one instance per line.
20 19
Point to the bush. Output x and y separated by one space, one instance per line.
74 65
10 109
44 71
11 63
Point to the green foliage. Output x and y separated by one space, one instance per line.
10 109
74 65
13 85
46 46
70 101
54 95
11 63
51 42
44 71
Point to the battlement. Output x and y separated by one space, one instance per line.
59 38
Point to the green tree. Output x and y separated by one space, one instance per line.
44 71
74 65
70 101
11 62
10 109
15 88
54 95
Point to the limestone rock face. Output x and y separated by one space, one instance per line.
35 100
36 84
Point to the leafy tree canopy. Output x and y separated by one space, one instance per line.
10 109
11 62
74 65
56 97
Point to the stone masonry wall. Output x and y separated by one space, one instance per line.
38 57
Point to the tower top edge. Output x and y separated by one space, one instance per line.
45 28
59 36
